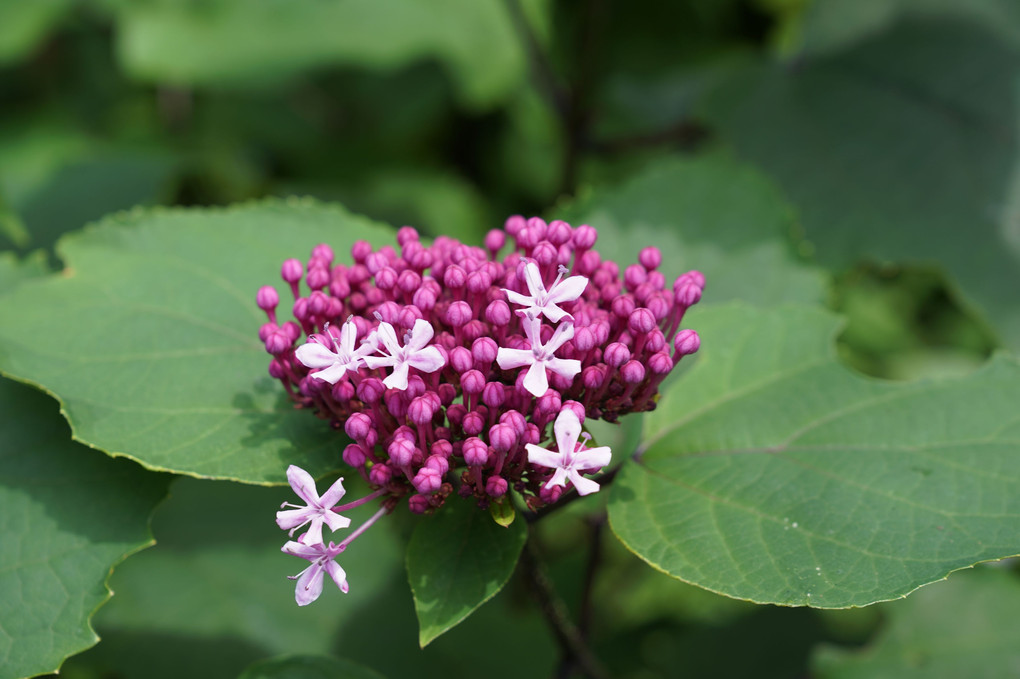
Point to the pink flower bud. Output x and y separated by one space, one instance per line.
278 342
588 263
267 298
425 299
632 372
532 434
593 377
401 452
318 303
577 408
659 305
494 394
688 294
476 453
650 258
623 306
324 252
686 342
455 414
585 237
660 363
538 227
358 425
550 494
657 280
446 392
420 410
454 277
267 329
515 421
380 474
496 486
405 234
655 340
441 448
495 240
498 313
276 370
418 504
514 224
458 314
358 274
634 276
439 463
375 262
408 281
545 253
502 437
385 278
472 382
548 403
427 480
343 391
461 359
559 232
360 250
484 350
473 423
292 271
354 455
616 354
641 321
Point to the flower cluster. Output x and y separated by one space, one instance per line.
453 368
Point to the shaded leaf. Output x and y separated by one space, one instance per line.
904 148
69 515
457 560
308 667
238 42
710 213
965 627
23 25
13 271
165 365
774 474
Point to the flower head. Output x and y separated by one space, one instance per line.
570 458
317 510
541 301
414 353
309 581
332 365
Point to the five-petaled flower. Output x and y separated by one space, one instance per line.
332 365
414 353
309 581
318 510
540 357
544 301
570 458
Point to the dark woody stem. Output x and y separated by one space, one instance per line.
575 648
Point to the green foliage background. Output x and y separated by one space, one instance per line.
859 155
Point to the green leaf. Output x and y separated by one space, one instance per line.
457 560
903 148
308 667
965 627
13 271
240 42
69 516
23 25
709 213
158 356
772 473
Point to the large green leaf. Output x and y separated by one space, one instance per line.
903 148
150 337
308 667
965 627
771 473
23 25
13 271
69 515
709 213
248 42
456 561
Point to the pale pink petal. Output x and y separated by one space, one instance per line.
543 457
388 336
374 362
518 298
567 429
338 574
584 486
564 332
554 313
302 483
508 359
398 378
334 494
593 458
295 548
348 334
536 381
533 330
567 290
332 374
428 360
309 585
421 334
292 519
314 535
559 478
566 367
533 278
314 355
335 521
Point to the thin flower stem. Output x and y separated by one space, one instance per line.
362 528
357 503
597 524
571 641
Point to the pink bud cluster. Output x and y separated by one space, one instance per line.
494 349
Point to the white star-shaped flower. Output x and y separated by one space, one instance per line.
309 581
333 365
539 357
317 510
414 353
569 457
544 301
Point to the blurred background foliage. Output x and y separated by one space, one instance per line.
891 126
